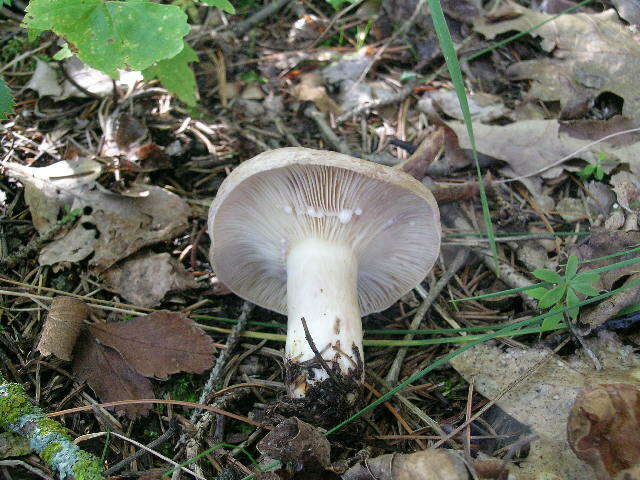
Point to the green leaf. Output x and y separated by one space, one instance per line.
587 171
599 175
585 289
551 322
176 75
63 53
586 277
553 296
537 293
451 59
109 35
6 100
572 267
572 299
224 5
547 275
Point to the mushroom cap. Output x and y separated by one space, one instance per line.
281 197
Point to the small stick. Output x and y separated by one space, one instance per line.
246 25
221 361
173 427
326 131
457 264
32 247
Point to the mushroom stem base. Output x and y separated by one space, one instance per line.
322 294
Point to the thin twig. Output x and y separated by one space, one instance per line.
246 25
33 246
173 428
326 131
458 262
223 357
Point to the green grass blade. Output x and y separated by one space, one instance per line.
449 53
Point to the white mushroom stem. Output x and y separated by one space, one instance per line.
322 288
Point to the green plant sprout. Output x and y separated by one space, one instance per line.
565 291
594 169
70 215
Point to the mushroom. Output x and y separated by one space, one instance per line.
323 238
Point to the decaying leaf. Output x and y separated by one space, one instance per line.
629 10
296 442
609 307
62 327
145 279
593 53
48 189
529 146
483 107
158 344
601 244
546 391
439 464
311 89
604 429
627 189
44 80
110 376
114 226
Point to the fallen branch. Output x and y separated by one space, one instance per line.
49 439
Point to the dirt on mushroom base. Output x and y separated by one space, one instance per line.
329 401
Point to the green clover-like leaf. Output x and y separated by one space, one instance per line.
585 289
176 75
551 322
572 299
108 35
547 275
572 267
537 293
587 277
553 296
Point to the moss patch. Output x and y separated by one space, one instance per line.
48 425
49 451
87 467
14 403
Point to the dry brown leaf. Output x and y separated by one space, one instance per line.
114 226
593 53
110 376
311 89
629 10
609 307
296 442
62 327
439 464
145 279
543 398
159 344
601 244
48 189
604 429
483 107
531 145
